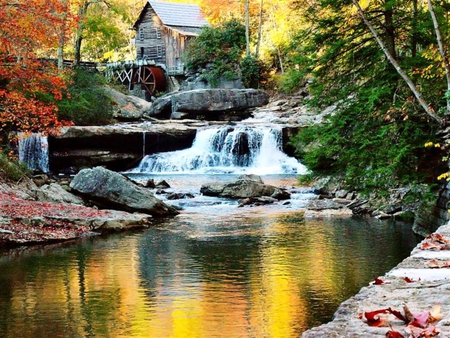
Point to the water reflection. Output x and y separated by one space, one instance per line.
252 275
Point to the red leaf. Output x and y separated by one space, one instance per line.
394 334
378 281
373 318
398 314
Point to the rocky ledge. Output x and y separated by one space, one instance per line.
30 214
411 300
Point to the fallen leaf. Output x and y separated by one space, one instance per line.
417 332
394 334
435 314
436 264
420 319
399 315
378 281
408 314
374 319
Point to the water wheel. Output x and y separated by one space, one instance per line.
151 79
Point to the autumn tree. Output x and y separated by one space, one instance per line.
29 85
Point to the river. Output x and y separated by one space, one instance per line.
228 272
215 270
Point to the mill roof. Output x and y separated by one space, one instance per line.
177 14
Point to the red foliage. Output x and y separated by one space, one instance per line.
418 324
32 221
394 334
435 242
30 29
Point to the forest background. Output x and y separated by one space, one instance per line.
381 64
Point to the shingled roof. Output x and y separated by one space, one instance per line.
177 14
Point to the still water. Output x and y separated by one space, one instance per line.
230 272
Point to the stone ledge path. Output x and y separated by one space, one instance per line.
429 269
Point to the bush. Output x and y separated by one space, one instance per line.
11 168
86 103
254 72
217 52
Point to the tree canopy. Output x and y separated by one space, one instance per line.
383 65
29 31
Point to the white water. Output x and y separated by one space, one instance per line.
33 151
230 150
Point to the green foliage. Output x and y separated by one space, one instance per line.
218 51
11 168
87 103
375 137
254 72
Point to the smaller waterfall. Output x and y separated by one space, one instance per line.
33 151
256 150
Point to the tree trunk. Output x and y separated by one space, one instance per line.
61 52
414 35
442 51
390 32
258 44
247 27
397 67
82 13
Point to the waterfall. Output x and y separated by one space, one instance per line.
143 144
256 150
33 151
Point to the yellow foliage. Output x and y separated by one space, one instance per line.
444 176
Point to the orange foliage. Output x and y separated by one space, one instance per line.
30 29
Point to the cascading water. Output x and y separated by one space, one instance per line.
33 151
256 150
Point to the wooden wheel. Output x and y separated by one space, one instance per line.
151 79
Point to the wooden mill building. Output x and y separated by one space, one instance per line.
163 32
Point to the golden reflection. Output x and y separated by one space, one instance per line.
126 291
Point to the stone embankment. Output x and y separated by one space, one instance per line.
421 283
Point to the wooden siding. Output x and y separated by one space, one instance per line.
161 43
150 39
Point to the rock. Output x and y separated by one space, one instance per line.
162 184
162 107
108 189
116 147
392 209
150 183
128 107
326 204
208 103
245 186
179 196
53 192
341 193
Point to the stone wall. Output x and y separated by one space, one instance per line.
431 216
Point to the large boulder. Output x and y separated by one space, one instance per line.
108 189
209 104
245 186
127 107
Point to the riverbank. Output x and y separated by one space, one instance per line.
28 217
421 282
